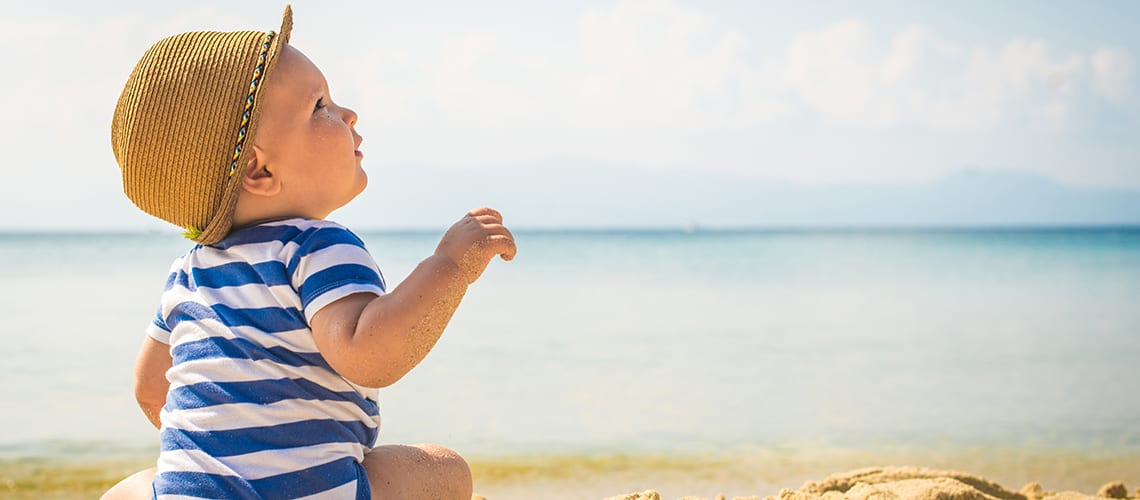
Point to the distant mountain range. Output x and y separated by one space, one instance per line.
592 195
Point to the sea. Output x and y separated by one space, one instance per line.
657 341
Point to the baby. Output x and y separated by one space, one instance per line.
261 367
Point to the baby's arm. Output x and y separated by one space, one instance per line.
150 378
375 340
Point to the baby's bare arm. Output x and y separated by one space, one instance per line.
150 378
375 340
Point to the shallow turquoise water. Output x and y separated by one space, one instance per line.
657 341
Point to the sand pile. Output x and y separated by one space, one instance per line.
886 483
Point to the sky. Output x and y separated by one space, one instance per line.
813 92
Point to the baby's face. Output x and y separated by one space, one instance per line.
307 139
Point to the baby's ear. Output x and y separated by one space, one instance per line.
257 177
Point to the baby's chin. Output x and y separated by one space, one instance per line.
361 186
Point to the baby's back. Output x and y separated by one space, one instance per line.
253 408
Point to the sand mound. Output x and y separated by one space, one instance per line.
903 482
889 483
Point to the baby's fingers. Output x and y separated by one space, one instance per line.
504 246
501 242
486 211
488 219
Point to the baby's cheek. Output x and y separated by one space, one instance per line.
337 138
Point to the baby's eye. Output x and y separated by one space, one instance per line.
320 104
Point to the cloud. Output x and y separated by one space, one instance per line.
630 79
845 75
669 84
830 71
655 71
653 83
662 65
1112 73
644 64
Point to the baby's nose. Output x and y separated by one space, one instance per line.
349 116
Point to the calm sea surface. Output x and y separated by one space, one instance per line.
658 342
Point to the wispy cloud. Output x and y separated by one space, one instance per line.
649 83
1114 73
660 74
847 75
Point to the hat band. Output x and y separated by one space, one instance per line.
192 232
257 72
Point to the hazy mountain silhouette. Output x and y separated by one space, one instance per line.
581 194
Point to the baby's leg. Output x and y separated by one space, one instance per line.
135 486
425 471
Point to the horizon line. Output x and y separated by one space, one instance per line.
684 229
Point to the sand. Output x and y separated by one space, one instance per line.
768 475
765 473
909 482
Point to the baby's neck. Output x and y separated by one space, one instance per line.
253 210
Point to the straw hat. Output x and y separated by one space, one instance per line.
187 110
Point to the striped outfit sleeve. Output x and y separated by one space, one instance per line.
158 329
332 263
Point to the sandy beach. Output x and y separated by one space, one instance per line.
833 474
1006 474
911 482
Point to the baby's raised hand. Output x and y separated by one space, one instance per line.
472 242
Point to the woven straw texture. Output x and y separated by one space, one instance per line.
176 125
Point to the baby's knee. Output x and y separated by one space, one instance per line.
451 463
135 486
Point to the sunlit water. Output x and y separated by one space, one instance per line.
659 342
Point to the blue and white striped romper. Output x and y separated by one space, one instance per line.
254 410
